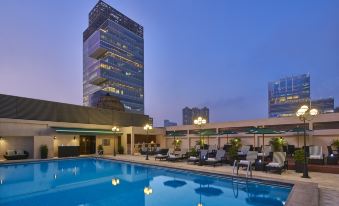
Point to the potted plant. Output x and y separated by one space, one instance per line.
43 151
177 144
335 143
233 151
120 149
299 159
193 152
277 144
100 149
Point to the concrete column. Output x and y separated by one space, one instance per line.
132 143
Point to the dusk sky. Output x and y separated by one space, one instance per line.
220 54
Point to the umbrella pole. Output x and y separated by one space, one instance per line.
263 146
298 139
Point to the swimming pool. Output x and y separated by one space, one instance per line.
89 181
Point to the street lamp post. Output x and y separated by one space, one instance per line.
306 114
115 130
200 122
147 127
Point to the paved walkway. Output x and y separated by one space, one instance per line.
328 183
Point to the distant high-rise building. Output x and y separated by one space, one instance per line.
188 114
323 105
287 94
168 123
336 109
113 58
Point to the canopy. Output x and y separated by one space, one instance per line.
227 132
83 131
175 134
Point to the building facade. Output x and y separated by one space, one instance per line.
168 123
323 105
113 58
189 115
287 94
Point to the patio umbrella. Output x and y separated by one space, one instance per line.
227 132
175 134
208 133
297 130
263 131
175 183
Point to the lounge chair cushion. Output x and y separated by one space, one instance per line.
10 152
20 152
211 159
274 164
193 158
316 156
245 162
172 156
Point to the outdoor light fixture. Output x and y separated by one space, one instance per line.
306 114
115 130
54 137
115 181
74 138
148 190
147 127
200 122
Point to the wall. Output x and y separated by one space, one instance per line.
43 140
65 140
17 143
108 150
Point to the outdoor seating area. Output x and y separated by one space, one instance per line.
15 155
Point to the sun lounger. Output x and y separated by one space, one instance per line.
163 154
279 162
219 158
182 154
316 155
202 156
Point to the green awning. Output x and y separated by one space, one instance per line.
66 130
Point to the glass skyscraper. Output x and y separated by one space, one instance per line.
113 58
287 94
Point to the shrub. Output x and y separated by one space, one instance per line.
299 156
277 143
335 143
43 151
120 149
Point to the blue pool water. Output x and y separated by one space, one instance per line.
86 182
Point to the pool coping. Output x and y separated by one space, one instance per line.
302 193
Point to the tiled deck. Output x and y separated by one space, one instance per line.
328 183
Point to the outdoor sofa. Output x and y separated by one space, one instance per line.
16 155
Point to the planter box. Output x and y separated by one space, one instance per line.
299 167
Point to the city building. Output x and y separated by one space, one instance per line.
323 105
336 109
188 114
287 94
113 58
168 123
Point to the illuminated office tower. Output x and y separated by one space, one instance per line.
113 59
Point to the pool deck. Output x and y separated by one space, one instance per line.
321 189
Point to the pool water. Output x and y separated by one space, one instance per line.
87 181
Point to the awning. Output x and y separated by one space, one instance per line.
66 130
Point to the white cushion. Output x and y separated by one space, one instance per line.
193 158
20 152
245 162
172 156
316 156
274 164
10 152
